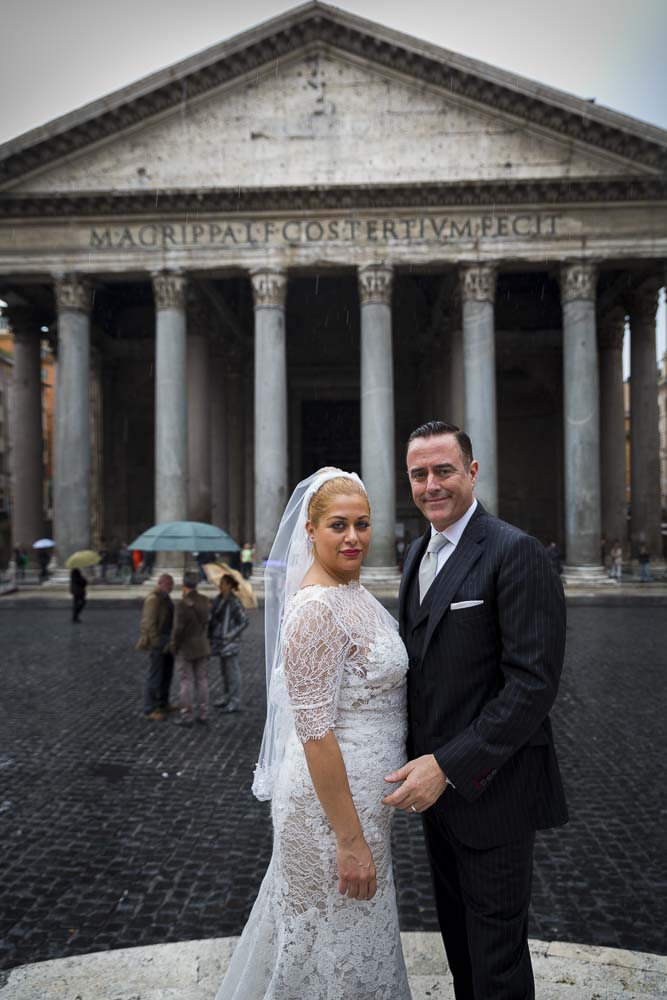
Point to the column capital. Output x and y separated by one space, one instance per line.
269 288
198 318
169 289
375 283
578 281
24 322
643 303
73 293
477 282
611 329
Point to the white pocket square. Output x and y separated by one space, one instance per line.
464 604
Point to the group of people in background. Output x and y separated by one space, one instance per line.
182 636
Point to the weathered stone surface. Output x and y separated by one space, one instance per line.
298 122
192 970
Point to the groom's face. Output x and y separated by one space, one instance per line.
441 485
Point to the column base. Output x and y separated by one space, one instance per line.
593 575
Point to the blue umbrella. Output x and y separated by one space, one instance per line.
185 536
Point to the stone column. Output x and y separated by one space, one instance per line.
581 402
235 460
644 434
199 417
378 462
27 434
219 435
269 291
72 468
171 411
611 328
248 452
478 290
457 413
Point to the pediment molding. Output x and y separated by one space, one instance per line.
353 198
316 25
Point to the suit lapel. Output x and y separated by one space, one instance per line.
455 570
410 566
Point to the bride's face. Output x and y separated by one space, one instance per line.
342 536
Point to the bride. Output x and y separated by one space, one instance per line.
325 924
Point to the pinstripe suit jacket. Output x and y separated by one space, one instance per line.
482 680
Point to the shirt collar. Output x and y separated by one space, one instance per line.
454 531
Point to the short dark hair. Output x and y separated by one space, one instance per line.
190 579
231 580
434 428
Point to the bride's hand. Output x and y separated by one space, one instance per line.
356 869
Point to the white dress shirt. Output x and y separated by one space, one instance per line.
453 535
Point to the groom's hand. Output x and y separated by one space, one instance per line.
423 783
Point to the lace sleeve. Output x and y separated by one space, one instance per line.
314 651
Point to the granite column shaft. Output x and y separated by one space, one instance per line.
72 460
269 291
27 434
478 284
582 419
644 425
377 410
611 328
171 411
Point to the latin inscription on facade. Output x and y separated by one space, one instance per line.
436 229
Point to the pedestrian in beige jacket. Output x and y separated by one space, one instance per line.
191 649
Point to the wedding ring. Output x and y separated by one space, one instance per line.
413 807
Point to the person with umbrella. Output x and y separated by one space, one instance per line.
77 588
77 581
226 622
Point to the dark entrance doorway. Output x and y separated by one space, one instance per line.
330 435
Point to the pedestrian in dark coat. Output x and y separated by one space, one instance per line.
77 588
226 622
157 619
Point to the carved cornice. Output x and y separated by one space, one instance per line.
478 283
269 288
578 281
169 290
375 281
73 294
315 27
611 329
234 201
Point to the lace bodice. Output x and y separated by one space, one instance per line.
344 670
341 652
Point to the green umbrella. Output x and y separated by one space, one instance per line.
185 536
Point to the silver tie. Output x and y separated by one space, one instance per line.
429 564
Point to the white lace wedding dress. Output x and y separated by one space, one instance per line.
345 668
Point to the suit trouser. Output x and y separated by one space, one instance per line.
230 674
482 899
158 680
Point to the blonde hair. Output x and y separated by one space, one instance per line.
340 486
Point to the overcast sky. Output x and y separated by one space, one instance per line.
56 55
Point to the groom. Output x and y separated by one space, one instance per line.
482 614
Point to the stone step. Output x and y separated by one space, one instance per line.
192 970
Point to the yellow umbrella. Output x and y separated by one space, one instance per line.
79 560
215 571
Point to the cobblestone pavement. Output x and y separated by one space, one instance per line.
118 832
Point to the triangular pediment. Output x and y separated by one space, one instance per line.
318 97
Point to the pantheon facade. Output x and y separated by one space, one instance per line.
294 247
